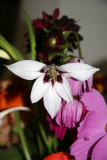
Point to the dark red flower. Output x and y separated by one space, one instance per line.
49 33
52 42
53 17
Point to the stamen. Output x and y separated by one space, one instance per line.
53 74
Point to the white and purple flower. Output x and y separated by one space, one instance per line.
51 81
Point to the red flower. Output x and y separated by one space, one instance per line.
59 156
49 33
53 17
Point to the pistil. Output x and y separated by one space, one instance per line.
53 74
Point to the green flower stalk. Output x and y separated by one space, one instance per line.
22 137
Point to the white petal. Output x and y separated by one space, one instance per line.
64 90
39 89
27 69
79 71
4 55
7 111
52 102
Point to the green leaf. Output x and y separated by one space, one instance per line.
4 55
40 145
65 36
32 37
12 51
7 47
55 143
10 154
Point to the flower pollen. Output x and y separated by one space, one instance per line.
53 74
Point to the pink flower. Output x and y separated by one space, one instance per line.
92 133
94 101
67 117
79 87
59 130
70 113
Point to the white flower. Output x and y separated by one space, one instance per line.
51 83
7 111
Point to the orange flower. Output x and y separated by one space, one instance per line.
13 94
59 156
7 101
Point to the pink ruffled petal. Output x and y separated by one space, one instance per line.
82 148
69 114
93 124
100 150
76 87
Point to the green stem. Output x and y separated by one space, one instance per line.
41 131
32 37
66 34
79 46
22 137
50 144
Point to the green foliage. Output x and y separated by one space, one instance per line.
32 37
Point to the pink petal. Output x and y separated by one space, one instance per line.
69 113
93 124
76 87
82 149
94 101
60 131
58 117
100 150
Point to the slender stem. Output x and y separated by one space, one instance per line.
50 141
22 137
41 131
79 46
32 37
67 33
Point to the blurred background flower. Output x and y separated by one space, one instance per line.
52 36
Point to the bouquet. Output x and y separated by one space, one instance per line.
66 117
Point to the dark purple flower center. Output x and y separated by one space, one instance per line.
52 75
